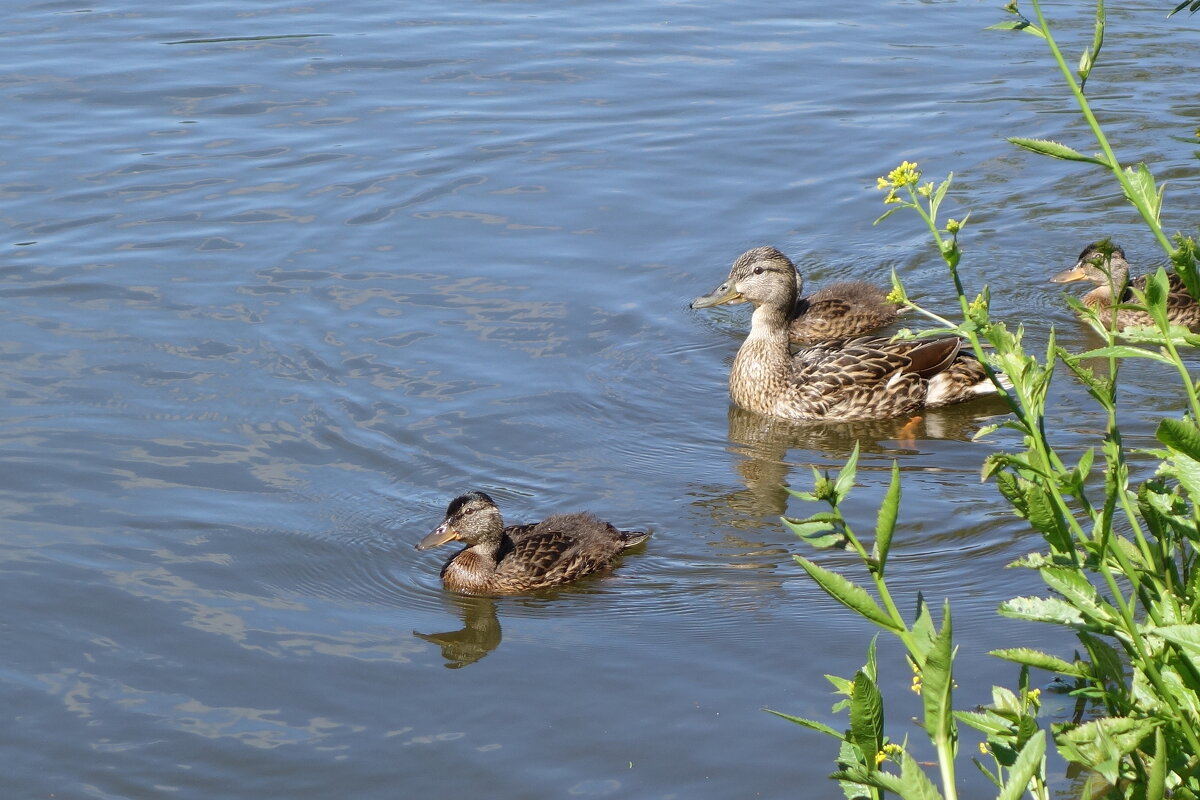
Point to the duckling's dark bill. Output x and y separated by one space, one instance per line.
441 534
722 294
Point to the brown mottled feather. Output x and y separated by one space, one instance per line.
524 558
839 311
860 378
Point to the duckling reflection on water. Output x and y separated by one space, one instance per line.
1103 263
838 311
855 379
523 558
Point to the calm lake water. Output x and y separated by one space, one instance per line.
280 280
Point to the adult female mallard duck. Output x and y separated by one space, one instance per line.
522 558
838 311
1103 263
863 378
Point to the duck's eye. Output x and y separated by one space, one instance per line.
468 512
758 270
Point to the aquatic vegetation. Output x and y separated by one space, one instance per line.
1120 558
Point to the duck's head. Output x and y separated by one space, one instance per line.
469 517
1100 262
762 276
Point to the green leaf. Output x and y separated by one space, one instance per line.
1125 351
1140 189
848 594
1101 744
1107 664
885 522
1186 636
1046 147
845 478
1181 435
937 682
866 717
1156 780
808 723
1036 658
1031 759
1075 588
1042 609
1022 25
1186 470
911 784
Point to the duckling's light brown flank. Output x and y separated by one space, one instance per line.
861 378
1103 263
838 311
523 558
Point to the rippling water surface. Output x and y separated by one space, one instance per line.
281 280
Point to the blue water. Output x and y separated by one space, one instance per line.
281 280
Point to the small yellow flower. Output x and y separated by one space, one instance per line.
882 183
953 226
895 296
887 751
926 189
906 174
916 684
891 198
983 748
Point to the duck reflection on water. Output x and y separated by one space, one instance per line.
479 635
761 448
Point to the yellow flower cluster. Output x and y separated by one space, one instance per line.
890 749
904 175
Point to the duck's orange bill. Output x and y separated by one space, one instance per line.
441 534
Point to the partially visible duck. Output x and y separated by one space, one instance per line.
839 311
523 558
862 378
1103 263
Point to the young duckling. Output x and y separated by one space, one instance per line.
522 558
863 378
838 311
1103 263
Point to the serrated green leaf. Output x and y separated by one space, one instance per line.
1107 665
1181 435
1036 658
848 594
1186 470
1046 147
885 522
1042 609
1156 780
1125 351
1186 636
866 717
937 682
1031 759
983 721
1075 588
1100 744
911 784
846 475
1140 188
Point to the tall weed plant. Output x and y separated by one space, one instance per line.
1119 561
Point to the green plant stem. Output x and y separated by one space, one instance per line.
1114 165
